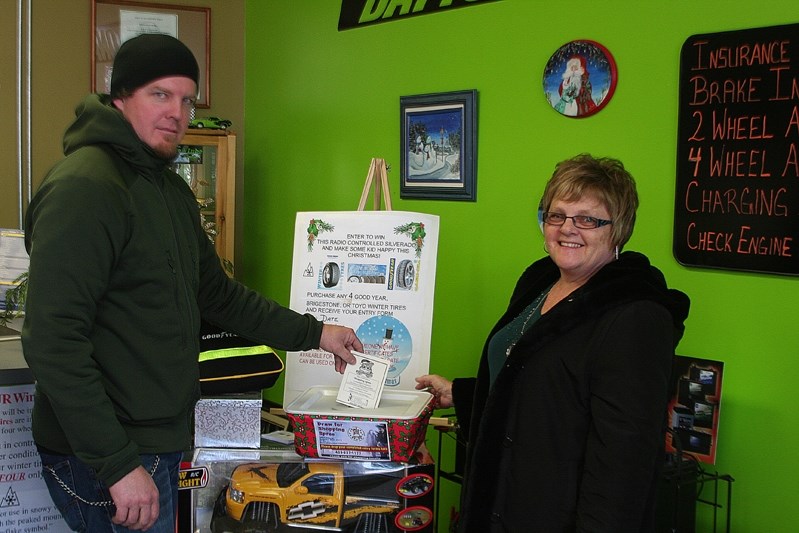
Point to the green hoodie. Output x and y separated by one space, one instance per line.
121 272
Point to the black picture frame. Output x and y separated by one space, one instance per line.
438 146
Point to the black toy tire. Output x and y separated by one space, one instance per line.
220 521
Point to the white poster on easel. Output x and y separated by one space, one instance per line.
373 271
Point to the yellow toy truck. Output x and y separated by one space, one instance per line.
327 496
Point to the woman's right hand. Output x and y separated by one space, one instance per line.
439 387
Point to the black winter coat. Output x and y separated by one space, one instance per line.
570 437
121 273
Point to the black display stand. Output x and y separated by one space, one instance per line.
683 483
714 479
455 475
676 498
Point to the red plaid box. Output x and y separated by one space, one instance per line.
391 432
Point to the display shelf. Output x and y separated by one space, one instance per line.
715 479
447 438
207 161
683 483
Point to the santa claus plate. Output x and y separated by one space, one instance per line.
580 78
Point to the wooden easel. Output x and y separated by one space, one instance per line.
377 177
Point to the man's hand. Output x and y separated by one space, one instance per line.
136 499
340 341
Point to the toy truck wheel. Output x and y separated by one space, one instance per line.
260 518
220 521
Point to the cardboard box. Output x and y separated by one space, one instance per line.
228 421
393 431
253 490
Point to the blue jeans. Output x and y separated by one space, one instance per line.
84 500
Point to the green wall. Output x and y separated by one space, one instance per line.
321 103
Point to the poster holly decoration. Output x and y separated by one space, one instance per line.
414 230
316 227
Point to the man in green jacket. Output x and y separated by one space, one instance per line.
121 273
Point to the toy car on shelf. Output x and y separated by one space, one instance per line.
212 123
333 496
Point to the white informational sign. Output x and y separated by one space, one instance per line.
25 504
352 439
133 23
373 271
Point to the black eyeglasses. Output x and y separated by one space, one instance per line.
580 221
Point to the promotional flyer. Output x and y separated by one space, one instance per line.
694 407
373 271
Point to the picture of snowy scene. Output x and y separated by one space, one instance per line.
434 144
438 137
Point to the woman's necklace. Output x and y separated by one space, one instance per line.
536 306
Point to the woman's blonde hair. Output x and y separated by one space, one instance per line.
604 179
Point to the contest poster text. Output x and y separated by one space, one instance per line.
373 271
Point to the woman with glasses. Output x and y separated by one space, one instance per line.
565 420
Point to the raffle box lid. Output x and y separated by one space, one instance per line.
391 432
395 404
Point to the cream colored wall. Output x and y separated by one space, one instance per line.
60 78
9 134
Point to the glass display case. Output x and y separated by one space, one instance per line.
207 161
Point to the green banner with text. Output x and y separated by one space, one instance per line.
357 13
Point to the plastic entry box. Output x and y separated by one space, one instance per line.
324 428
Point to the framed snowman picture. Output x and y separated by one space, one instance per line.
438 146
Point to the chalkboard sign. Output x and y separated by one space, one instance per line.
737 194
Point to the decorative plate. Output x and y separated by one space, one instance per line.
580 79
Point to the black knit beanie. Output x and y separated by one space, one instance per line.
150 56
